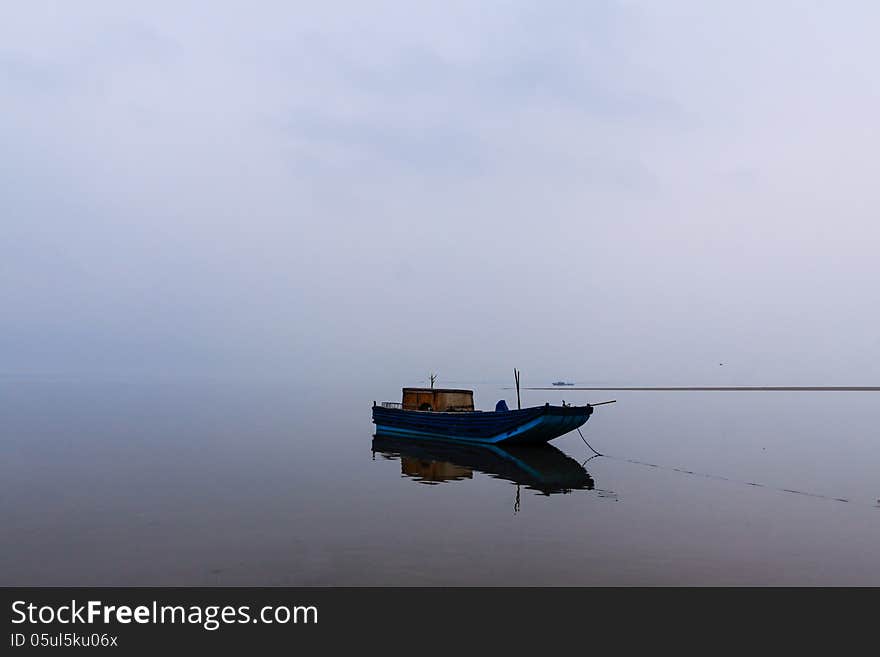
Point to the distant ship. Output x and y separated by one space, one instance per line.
562 383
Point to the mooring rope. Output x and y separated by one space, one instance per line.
742 482
588 444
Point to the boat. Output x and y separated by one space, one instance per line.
541 468
449 414
562 383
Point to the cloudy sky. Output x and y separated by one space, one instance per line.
611 191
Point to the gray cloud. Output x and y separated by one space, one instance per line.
608 189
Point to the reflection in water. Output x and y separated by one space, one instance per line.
541 468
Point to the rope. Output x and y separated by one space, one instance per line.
588 444
742 482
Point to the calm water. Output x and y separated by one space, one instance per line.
233 484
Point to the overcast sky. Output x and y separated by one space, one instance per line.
611 191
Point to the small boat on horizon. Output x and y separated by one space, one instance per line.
561 383
448 414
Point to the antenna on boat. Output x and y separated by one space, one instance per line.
516 378
433 378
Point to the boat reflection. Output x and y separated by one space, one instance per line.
541 468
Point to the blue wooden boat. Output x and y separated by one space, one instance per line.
445 414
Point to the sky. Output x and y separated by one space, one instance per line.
626 192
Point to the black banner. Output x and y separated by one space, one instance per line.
135 621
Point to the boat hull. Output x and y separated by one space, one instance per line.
528 426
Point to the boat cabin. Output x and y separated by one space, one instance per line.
437 399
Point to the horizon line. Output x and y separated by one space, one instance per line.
720 388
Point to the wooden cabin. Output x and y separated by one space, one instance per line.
437 399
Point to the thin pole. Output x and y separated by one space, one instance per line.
516 378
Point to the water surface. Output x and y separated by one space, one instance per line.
126 483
